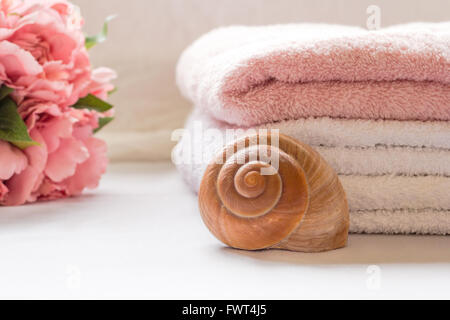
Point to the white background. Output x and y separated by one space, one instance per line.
140 236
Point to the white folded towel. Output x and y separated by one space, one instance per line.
411 221
396 174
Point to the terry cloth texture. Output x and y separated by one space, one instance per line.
254 75
380 179
374 104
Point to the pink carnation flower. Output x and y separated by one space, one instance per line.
68 159
100 84
43 58
42 52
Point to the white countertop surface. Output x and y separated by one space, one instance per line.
140 236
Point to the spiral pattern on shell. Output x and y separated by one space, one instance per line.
249 201
255 205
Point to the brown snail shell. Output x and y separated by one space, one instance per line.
301 206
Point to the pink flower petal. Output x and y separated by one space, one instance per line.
17 62
55 130
50 190
12 160
3 192
33 110
63 162
101 84
88 173
21 185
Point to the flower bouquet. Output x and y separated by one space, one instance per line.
51 103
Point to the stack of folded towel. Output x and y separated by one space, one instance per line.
375 104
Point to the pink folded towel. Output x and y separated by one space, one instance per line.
254 75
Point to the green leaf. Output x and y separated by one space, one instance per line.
103 122
113 91
12 127
101 36
91 102
5 91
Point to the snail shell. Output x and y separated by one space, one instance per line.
299 205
